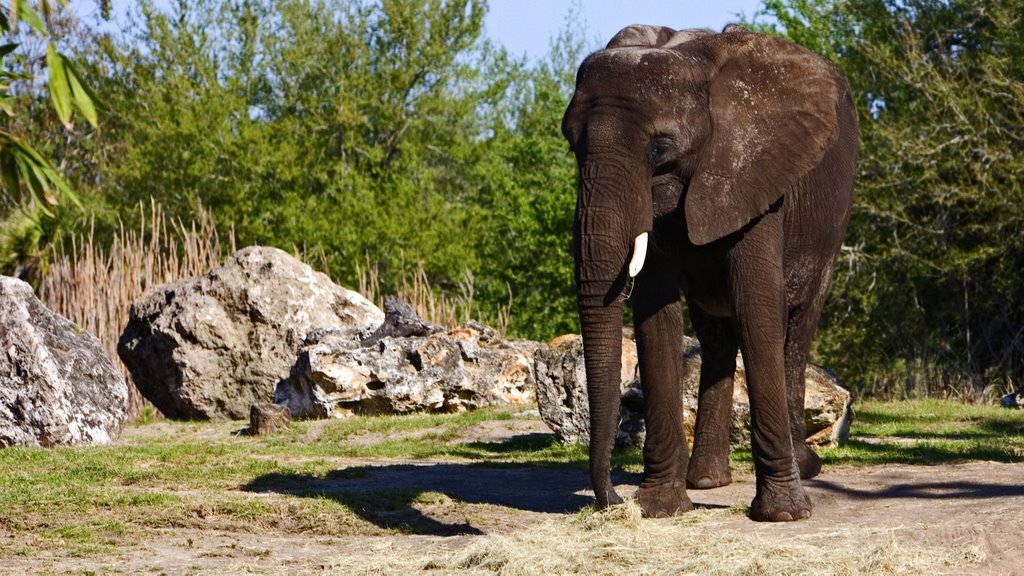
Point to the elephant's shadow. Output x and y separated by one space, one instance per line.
391 495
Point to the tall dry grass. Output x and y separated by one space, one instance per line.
95 287
431 304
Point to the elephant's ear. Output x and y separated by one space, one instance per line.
773 117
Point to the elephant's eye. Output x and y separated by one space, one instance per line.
662 152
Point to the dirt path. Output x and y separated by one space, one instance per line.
974 508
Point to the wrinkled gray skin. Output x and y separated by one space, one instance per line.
737 153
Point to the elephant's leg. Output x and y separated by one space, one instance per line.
659 334
802 324
709 464
758 293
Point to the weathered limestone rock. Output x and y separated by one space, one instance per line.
267 418
464 368
210 347
56 385
562 396
400 321
562 391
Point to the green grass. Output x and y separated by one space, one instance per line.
90 500
924 432
165 474
931 432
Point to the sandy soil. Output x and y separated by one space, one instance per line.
975 506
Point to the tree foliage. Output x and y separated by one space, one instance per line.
21 165
389 134
31 187
364 134
929 288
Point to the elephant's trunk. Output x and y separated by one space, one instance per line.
605 235
602 353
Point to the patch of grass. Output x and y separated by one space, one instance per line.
190 475
148 414
87 501
930 432
940 419
91 537
539 450
449 425
920 432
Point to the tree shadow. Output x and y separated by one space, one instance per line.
391 495
923 490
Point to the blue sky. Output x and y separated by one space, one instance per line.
525 26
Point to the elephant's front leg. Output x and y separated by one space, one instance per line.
658 320
758 293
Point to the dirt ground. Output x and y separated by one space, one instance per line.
976 506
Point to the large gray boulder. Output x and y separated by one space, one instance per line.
56 385
562 396
210 347
464 368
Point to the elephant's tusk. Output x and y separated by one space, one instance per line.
639 255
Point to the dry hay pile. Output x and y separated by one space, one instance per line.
618 541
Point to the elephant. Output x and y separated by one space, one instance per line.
716 168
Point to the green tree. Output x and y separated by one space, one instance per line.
385 134
30 185
928 290
529 196
299 122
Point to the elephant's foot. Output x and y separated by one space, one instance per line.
663 500
780 501
611 498
807 461
706 473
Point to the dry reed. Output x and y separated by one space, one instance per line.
95 288
431 304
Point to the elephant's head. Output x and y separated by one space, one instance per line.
703 129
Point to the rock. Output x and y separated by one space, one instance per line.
464 368
56 385
827 408
562 396
267 418
562 392
210 347
1013 400
400 320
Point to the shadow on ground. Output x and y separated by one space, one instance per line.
391 495
923 490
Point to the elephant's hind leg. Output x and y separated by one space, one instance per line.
709 464
796 372
803 322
